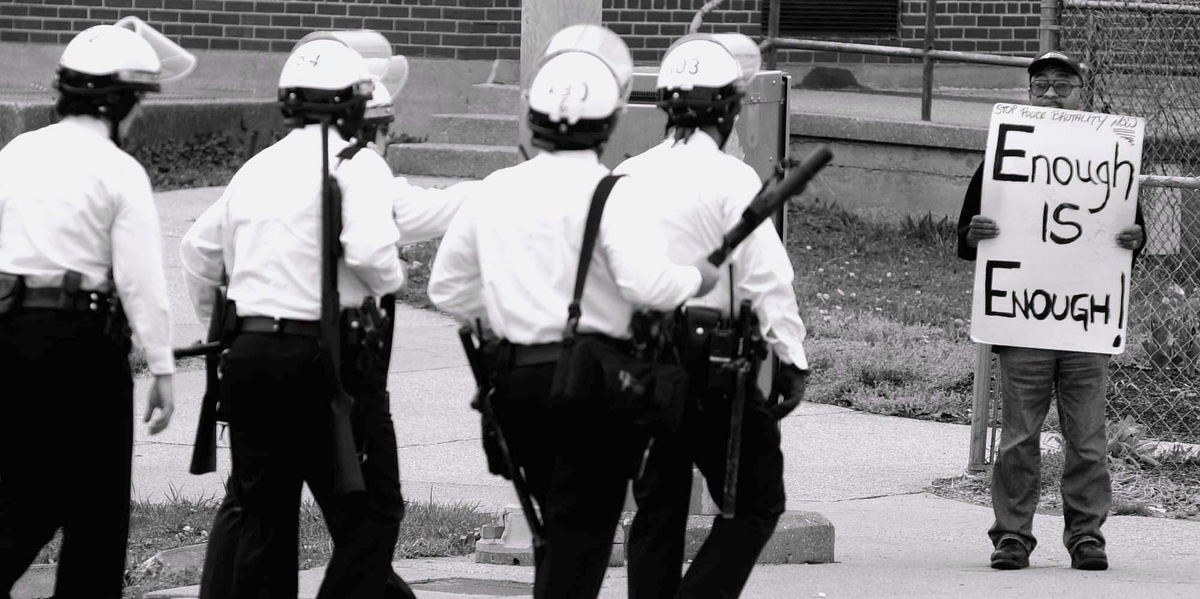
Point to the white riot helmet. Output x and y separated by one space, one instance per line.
325 81
388 75
582 82
703 78
105 69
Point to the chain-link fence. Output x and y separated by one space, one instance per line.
1145 61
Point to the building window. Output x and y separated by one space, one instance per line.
835 18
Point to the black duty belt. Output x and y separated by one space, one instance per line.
57 299
543 353
281 326
538 353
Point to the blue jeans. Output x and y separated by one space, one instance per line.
1026 379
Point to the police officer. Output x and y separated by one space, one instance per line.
420 214
78 228
263 236
510 257
701 83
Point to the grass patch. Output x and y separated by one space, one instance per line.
420 260
199 161
428 530
905 273
886 306
208 159
1168 490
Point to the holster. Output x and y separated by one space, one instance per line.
712 341
213 407
490 362
12 291
727 352
366 346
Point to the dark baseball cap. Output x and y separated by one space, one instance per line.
1056 57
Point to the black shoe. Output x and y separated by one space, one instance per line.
1089 555
1010 554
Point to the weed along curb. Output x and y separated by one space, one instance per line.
38 581
171 561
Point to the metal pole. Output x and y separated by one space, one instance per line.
945 55
772 34
1153 7
1169 181
927 72
1048 28
980 415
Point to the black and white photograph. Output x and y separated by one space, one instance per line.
599 299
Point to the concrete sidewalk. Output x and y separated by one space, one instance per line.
910 545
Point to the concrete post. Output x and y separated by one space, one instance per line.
541 19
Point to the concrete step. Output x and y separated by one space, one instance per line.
450 160
483 129
492 98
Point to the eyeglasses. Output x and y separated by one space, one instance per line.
1041 86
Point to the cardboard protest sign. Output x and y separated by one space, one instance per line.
1060 184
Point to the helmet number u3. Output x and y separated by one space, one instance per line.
690 66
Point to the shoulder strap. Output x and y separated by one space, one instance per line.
590 231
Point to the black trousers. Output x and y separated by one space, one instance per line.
656 537
381 474
578 462
278 392
66 440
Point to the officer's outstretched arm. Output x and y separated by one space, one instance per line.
634 243
455 284
202 253
369 234
422 214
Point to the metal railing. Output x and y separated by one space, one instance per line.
928 54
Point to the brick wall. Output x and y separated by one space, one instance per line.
992 26
649 26
488 29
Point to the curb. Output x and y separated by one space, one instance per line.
799 538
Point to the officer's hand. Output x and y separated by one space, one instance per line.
1131 238
981 228
789 383
160 404
708 276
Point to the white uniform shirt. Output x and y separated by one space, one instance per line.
422 214
703 192
70 199
511 253
264 233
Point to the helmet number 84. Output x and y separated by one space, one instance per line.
690 66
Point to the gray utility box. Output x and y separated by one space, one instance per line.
760 136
